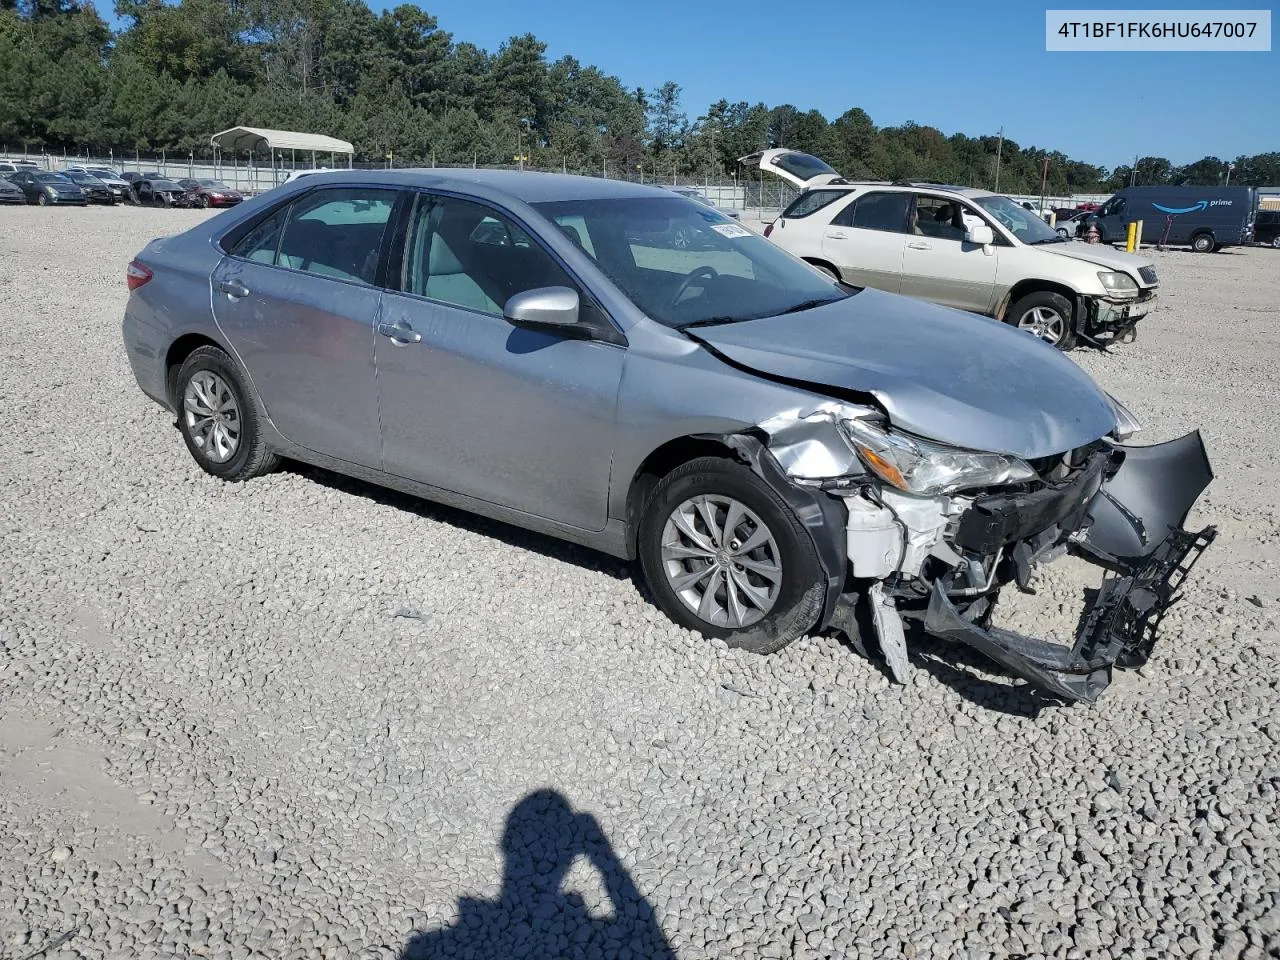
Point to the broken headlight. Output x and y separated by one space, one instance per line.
1117 283
1126 423
920 467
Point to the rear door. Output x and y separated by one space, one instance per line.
867 238
939 265
297 299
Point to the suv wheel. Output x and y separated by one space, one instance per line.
1275 241
1045 315
724 555
219 417
1202 243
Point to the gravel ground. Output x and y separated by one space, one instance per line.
303 717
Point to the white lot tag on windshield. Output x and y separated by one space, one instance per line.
730 230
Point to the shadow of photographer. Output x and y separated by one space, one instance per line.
532 915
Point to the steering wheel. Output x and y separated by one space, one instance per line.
701 273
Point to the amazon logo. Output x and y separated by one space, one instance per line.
1198 205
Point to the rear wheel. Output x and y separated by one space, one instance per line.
219 417
725 556
1275 241
1045 315
1202 243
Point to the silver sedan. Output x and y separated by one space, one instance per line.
778 450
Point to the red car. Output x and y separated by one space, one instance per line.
211 193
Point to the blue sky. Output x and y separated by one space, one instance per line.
962 67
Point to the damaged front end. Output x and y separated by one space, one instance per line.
933 533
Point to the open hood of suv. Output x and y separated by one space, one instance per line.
801 170
939 373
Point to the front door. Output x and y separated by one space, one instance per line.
1113 220
939 265
866 240
296 300
471 404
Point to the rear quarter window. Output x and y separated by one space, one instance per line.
811 202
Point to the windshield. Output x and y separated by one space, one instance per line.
214 184
684 264
51 178
84 178
165 185
1018 220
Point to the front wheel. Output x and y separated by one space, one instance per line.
1202 243
1275 241
43 200
204 202
725 556
1045 315
220 420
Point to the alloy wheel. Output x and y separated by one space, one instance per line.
1043 322
212 416
721 560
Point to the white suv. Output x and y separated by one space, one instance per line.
961 247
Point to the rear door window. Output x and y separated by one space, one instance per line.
877 211
337 233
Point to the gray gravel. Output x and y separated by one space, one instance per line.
297 717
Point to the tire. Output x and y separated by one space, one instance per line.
792 606
42 199
217 377
1202 243
204 201
1275 241
823 268
1035 312
158 200
1063 232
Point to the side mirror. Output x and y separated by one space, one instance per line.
980 234
543 308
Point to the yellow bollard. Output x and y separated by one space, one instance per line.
1137 237
1133 229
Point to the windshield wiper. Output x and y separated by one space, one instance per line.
712 322
810 304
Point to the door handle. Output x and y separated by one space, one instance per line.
399 333
917 245
233 288
837 235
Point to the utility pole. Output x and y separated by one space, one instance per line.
1133 173
999 150
1044 182
1230 167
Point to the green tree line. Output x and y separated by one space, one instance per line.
394 83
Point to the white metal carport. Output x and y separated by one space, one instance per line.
259 140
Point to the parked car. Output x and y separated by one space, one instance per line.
10 192
115 182
1266 229
970 249
684 236
162 193
211 193
48 188
1069 226
16 166
775 448
94 189
1205 218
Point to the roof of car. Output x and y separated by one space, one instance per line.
526 185
973 192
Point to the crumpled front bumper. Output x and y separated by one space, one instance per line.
1132 525
1119 629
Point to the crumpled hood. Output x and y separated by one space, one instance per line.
940 373
1101 254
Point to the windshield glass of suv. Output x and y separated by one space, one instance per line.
166 185
683 263
1018 220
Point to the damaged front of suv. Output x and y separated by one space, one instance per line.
962 470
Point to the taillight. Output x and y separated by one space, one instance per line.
768 228
135 275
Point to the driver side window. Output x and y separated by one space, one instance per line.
470 256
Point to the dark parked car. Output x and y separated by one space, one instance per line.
1204 218
1266 229
211 193
48 188
9 192
162 193
93 188
780 451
